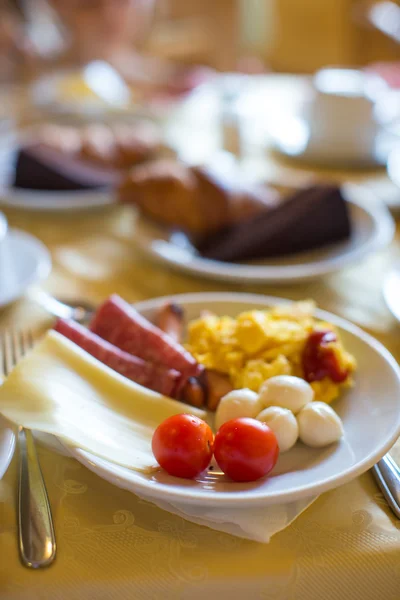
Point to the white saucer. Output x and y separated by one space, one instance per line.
373 229
290 135
7 445
370 412
31 264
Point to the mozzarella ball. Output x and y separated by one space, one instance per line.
287 392
283 423
319 425
238 403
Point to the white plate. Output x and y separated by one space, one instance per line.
47 97
370 413
47 94
38 199
7 445
391 291
373 229
31 263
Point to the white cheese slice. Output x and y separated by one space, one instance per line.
60 389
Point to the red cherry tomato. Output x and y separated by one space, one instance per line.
319 360
245 449
183 445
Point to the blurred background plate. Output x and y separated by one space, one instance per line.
373 229
41 199
31 263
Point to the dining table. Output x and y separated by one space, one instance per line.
112 545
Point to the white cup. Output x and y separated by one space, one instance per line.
340 115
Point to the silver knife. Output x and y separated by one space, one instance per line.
387 475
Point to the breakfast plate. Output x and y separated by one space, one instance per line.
370 412
373 229
41 200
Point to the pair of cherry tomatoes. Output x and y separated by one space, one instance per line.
245 449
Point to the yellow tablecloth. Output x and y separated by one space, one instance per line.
112 545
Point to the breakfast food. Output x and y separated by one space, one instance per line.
319 425
183 445
310 218
120 146
229 219
152 376
99 388
59 157
60 389
260 344
238 403
170 320
217 385
286 391
41 168
194 199
120 324
245 449
283 423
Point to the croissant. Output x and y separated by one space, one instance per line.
194 199
117 147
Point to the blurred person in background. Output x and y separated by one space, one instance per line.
39 34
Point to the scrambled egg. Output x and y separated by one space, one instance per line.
258 345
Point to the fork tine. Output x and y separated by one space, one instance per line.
26 341
13 346
16 346
8 355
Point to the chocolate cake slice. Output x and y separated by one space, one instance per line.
311 218
41 168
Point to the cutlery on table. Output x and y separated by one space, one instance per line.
37 544
387 475
78 310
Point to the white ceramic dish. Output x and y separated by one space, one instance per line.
391 291
293 137
7 445
41 200
334 124
30 261
373 229
47 94
48 97
370 412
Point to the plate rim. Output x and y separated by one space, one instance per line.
39 273
382 235
392 277
4 464
105 469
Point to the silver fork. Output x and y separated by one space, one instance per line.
37 544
